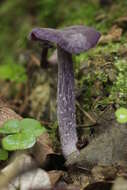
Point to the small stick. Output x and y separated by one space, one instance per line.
85 113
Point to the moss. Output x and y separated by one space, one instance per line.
81 13
53 132
119 88
13 72
102 72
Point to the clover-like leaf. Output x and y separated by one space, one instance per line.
18 141
121 115
32 127
3 154
10 127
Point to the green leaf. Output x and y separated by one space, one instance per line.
18 141
23 133
121 115
3 154
11 126
32 127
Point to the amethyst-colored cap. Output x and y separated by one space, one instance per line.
75 39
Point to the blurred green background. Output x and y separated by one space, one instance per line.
18 17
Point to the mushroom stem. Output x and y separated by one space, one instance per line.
44 54
66 103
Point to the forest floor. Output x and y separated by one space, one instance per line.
101 88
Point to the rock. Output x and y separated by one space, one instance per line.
107 149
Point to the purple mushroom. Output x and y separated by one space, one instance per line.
71 40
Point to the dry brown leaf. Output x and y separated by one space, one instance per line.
114 35
6 114
42 148
54 176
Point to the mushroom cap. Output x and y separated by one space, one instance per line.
74 39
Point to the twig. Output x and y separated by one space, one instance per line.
85 113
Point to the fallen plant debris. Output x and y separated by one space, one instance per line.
114 35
